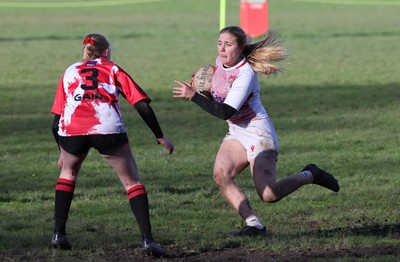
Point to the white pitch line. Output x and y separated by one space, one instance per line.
354 2
74 4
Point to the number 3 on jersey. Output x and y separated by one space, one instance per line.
91 81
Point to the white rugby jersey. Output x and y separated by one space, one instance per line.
239 88
87 98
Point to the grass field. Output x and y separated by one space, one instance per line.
337 105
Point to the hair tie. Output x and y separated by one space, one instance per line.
88 40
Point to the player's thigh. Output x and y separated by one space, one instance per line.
124 164
231 158
263 170
71 164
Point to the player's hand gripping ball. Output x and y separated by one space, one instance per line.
202 80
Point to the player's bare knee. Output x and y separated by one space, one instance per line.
221 178
269 195
270 199
218 178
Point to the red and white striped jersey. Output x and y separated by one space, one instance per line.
87 98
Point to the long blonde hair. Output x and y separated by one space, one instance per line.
94 46
262 55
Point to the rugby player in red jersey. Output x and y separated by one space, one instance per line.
87 115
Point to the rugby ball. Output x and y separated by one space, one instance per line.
202 80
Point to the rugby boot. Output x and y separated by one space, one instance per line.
60 241
322 178
152 248
248 231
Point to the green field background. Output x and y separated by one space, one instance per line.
337 105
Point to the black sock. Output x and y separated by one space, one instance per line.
140 207
64 193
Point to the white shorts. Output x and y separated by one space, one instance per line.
258 138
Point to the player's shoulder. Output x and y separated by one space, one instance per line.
74 65
246 70
72 69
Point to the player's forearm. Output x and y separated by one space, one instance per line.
220 110
148 116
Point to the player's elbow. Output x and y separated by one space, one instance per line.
227 112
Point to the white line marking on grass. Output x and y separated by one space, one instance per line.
74 4
354 2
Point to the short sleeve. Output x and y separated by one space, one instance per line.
240 91
131 91
59 100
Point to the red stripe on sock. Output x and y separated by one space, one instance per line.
136 191
65 185
66 181
65 188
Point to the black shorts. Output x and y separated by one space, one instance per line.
105 144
